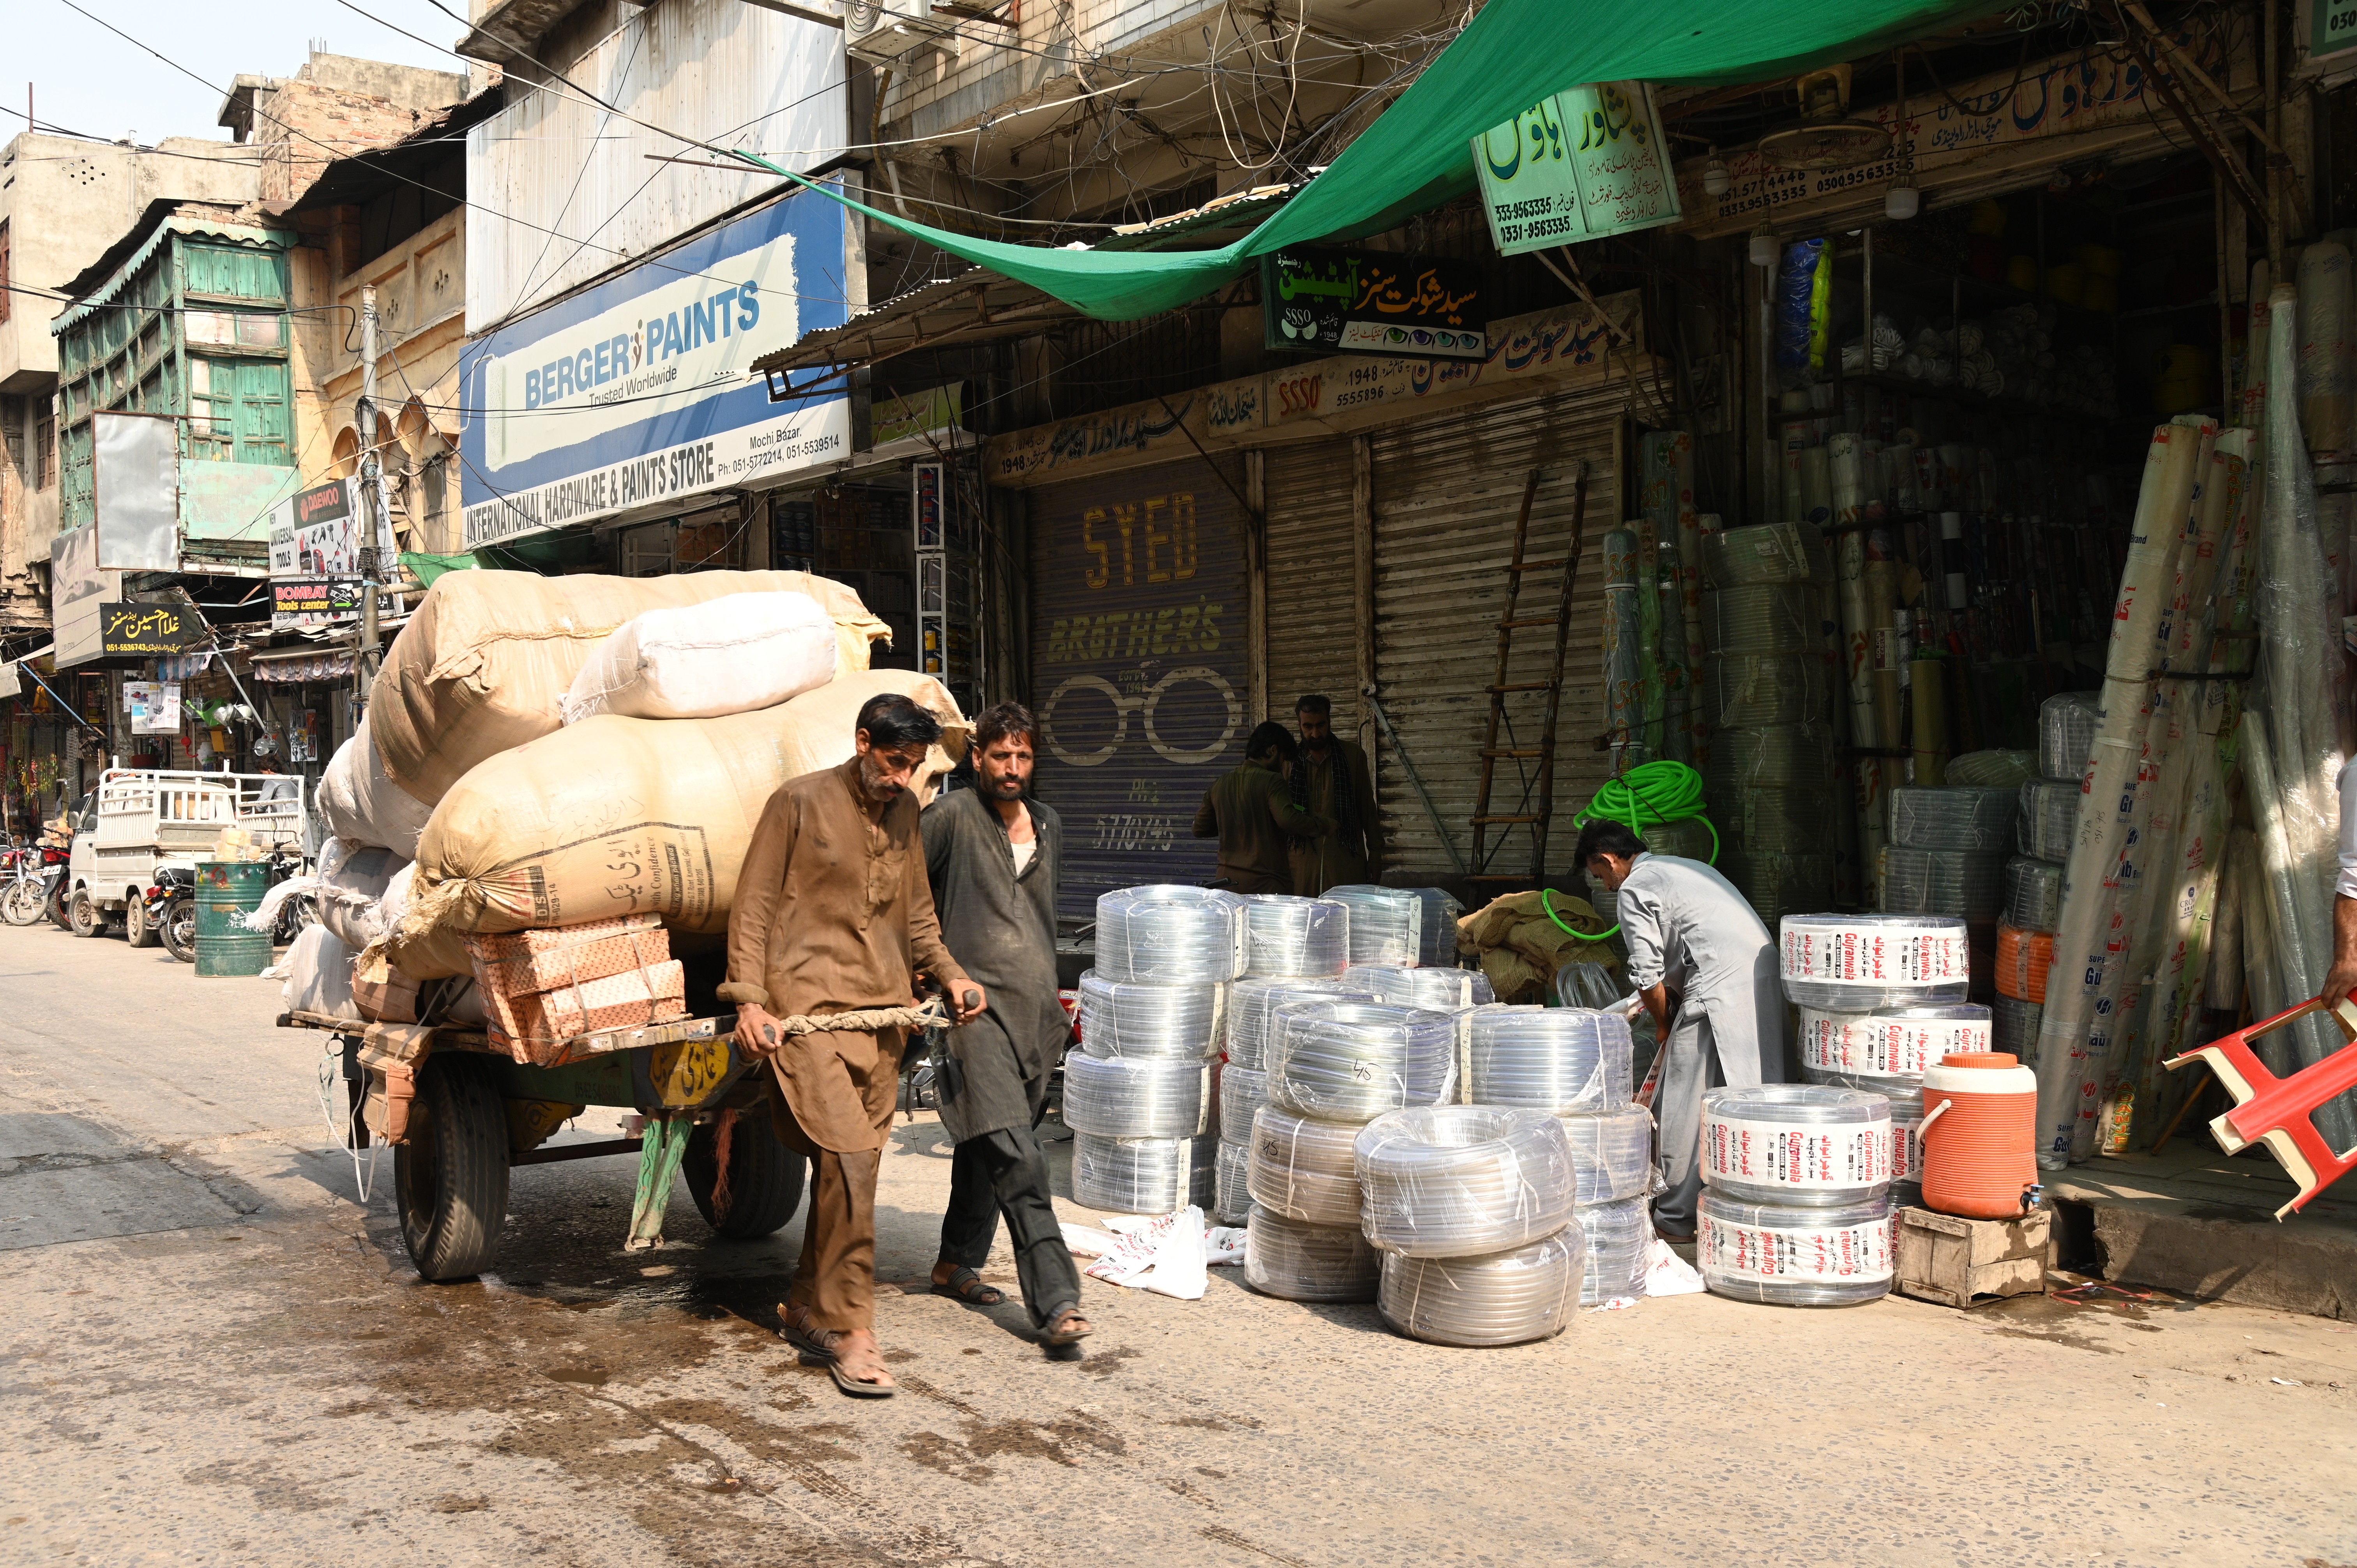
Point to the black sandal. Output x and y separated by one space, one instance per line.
1057 1333
965 1285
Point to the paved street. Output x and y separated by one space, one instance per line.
215 1354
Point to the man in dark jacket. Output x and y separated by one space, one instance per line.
1255 818
1331 779
993 857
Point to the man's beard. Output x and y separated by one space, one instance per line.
1002 788
872 784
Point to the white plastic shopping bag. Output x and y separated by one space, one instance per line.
1164 1253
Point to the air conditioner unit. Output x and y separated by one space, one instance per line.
889 29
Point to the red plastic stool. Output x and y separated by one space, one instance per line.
2275 1110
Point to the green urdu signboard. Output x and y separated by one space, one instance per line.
1373 302
1587 162
2335 27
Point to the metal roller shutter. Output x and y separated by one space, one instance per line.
1311 598
1446 494
1140 668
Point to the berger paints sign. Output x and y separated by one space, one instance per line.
639 392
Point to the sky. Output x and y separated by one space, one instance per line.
86 79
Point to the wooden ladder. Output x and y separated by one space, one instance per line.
1500 688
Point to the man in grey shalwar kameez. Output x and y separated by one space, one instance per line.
993 858
1705 968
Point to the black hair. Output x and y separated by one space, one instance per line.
1604 836
892 721
1270 736
1315 703
1005 719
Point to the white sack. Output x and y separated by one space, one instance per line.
736 654
318 975
353 883
361 804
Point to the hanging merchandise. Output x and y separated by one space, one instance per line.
1612 1153
1131 1097
1803 289
1873 716
1230 1169
1170 933
1406 926
1957 817
1618 1236
1557 1059
1289 936
1456 1181
1303 1169
1860 963
1794 1257
1294 1261
1891 1042
1142 1176
2033 892
1351 1061
1128 1018
1507 1298
1252 1006
1435 990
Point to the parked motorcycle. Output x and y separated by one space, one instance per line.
20 884
172 910
53 886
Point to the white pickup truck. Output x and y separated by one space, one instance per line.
139 820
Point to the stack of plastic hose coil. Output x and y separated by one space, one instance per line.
1860 964
1288 936
1620 1235
1612 1153
1462 1181
1143 1176
1947 850
1253 1003
1230 1171
1135 1018
1351 1061
2013 1027
1406 926
2033 895
1766 618
2033 910
1502 1298
1688 838
1768 552
1589 985
2011 769
2049 815
1557 1059
1243 1091
1954 816
2066 732
1749 691
1796 1208
2022 960
1303 1168
1887 1053
1140 1097
1436 990
1286 1258
1170 933
1773 798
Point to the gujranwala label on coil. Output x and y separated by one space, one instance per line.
1877 955
1803 1155
1884 1046
1907 1144
1854 1253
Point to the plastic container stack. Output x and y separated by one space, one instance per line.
1295 949
2033 905
1887 1052
1142 1095
1767 694
1471 1207
1795 1209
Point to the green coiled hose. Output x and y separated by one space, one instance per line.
1649 792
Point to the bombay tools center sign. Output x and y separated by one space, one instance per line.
1371 302
1589 161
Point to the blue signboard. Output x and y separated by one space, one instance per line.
640 391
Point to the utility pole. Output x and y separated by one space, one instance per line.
375 525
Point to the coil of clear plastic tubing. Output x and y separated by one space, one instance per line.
1589 985
2033 894
1781 885
1455 1181
1351 1061
2010 768
1779 757
1806 1145
1856 963
1242 1092
1506 1298
1303 1169
1794 1257
1438 990
1230 1199
2066 732
1766 553
1755 690
1612 1153
1954 816
1763 618
1294 1261
1557 1059
1906 1097
1763 820
1170 933
2049 815
2013 1027
1138 1096
1966 883
1252 999
1163 1021
2024 958
1890 1042
1407 926
1619 1235
1289 936
1143 1176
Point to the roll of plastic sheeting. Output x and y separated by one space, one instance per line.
2023 959
2033 894
1134 1097
1756 690
2049 815
1768 552
1954 817
1557 1059
1231 1169
1253 1002
1455 1181
2066 731
2324 335
1612 1153
1802 1144
1171 933
1506 1298
1778 886
1289 936
1407 926
1774 618
1857 963
1620 1235
1351 1061
2013 1027
1436 990
1795 1257
1303 1169
1143 1176
2012 768
1294 1261
1967 884
1891 1042
1135 1018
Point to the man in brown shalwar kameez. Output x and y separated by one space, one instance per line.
1255 819
834 914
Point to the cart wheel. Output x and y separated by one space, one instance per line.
136 930
765 1177
89 919
179 929
451 1178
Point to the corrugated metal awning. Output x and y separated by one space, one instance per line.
976 306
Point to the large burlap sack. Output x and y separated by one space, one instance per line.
318 975
361 804
350 892
704 662
617 816
485 662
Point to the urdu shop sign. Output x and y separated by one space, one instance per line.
1373 302
1587 162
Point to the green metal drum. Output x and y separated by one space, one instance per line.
227 890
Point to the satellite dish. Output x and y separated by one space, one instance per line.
1825 138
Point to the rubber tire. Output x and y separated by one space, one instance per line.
135 928
56 907
178 913
765 1177
21 905
89 919
450 1178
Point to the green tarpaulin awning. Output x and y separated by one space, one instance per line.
1419 154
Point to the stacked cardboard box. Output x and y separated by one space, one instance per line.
544 988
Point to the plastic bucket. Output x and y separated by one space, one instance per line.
1979 1134
228 890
